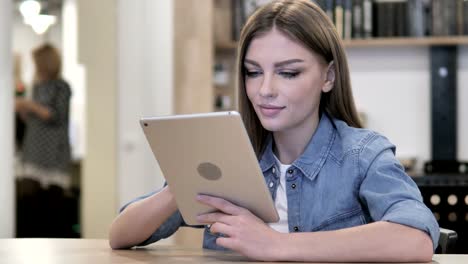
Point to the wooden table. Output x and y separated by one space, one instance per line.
88 251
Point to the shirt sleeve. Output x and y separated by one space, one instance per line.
389 193
169 227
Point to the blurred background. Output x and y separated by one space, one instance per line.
126 59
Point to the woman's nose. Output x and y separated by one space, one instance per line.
267 88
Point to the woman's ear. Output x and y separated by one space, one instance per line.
330 78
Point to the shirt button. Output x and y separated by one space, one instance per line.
293 186
296 229
274 170
271 184
290 171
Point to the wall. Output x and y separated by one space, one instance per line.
462 104
145 37
119 165
74 73
392 86
97 50
6 124
158 75
127 52
192 61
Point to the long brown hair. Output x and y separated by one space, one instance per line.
48 63
306 23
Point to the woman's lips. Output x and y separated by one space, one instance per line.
270 110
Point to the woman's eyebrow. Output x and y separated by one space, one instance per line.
254 63
277 64
286 62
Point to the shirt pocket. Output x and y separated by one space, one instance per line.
354 217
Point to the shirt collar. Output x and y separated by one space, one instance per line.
315 154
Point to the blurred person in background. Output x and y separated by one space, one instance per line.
45 179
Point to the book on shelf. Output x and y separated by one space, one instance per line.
379 18
251 5
339 17
427 16
401 21
321 4
238 18
367 18
348 19
391 18
444 17
459 10
329 8
241 10
465 17
357 19
462 17
451 17
416 18
437 18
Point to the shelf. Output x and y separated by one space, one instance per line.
397 42
381 42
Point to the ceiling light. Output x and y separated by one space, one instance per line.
41 23
30 8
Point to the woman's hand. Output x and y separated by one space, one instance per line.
243 231
21 104
22 108
25 106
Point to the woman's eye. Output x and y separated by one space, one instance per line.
252 74
289 74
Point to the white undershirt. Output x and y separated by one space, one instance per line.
281 201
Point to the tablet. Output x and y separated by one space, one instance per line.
209 154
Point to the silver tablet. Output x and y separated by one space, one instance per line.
209 154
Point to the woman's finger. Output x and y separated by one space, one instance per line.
222 228
227 242
220 204
210 218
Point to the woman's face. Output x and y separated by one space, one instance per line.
284 81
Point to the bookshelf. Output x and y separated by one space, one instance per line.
224 47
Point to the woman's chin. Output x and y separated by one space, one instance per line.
271 126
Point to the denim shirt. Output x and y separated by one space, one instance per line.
346 177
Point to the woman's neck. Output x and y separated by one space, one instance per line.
291 143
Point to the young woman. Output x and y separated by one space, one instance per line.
340 191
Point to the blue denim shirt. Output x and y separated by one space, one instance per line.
346 177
